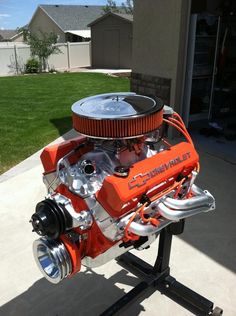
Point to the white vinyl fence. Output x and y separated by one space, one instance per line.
13 57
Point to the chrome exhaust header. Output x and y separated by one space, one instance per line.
174 210
171 210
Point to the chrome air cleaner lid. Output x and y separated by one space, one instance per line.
117 115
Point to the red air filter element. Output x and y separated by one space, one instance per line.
117 115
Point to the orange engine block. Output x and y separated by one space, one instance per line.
116 186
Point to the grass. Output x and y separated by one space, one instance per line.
36 109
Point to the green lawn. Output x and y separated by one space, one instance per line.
36 109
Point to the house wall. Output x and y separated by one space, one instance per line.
111 43
41 21
159 48
18 38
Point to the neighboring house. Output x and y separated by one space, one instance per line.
11 36
69 22
111 39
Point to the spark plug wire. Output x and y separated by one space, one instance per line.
180 129
128 235
140 211
176 122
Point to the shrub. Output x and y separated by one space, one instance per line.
52 70
32 66
42 45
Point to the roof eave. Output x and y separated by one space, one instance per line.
107 14
34 15
16 35
40 7
52 19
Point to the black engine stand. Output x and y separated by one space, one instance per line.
158 278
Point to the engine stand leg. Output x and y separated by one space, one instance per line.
158 278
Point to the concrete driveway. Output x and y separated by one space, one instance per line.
203 258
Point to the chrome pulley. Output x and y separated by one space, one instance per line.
52 259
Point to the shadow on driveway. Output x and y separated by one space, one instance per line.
86 294
63 125
214 233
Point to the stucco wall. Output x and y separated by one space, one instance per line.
108 51
159 41
41 21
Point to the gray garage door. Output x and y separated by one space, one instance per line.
111 46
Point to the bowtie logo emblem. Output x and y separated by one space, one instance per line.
139 180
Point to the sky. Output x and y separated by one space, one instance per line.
17 13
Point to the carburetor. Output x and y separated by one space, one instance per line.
115 186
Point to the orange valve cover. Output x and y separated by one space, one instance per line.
118 193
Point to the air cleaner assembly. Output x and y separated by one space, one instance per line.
117 115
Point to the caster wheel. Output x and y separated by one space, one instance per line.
217 311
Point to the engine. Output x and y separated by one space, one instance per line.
116 186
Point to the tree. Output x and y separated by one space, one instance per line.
110 6
128 6
42 45
24 30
